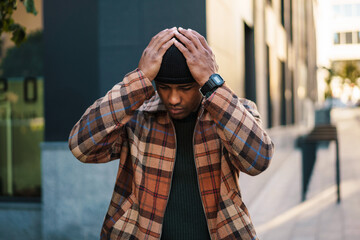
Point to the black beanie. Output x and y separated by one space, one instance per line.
173 68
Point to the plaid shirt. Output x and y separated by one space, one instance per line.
131 124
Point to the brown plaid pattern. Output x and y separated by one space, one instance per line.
131 124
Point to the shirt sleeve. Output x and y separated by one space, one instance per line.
99 134
239 128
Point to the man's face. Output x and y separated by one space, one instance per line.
179 99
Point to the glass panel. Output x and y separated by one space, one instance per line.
348 37
357 10
21 119
21 131
336 10
336 38
358 37
347 10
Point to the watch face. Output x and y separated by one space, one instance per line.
217 79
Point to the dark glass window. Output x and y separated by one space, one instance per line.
348 37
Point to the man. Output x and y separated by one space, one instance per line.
181 150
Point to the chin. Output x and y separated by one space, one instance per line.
179 116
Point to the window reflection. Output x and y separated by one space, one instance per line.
21 119
336 38
346 10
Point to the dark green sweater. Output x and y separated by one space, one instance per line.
184 215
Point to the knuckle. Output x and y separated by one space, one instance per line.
153 57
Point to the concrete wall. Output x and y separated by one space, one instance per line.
75 195
20 221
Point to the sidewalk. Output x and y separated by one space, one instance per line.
277 211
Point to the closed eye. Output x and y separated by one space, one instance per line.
163 87
185 88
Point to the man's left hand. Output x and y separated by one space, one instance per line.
199 56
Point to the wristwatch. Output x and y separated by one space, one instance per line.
215 81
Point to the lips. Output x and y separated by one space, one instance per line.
175 111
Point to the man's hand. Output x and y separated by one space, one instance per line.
199 56
151 58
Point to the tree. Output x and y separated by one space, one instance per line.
7 23
328 79
348 71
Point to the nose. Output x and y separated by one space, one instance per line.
174 98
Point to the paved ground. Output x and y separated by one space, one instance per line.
273 198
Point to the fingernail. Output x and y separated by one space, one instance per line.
180 28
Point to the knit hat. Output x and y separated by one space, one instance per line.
173 69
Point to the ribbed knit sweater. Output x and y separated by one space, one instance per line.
184 217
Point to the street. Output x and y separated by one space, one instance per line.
274 199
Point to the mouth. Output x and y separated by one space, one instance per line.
176 111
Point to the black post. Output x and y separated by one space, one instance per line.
308 160
337 171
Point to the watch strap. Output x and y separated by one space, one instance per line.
211 85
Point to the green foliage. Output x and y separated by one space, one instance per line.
25 60
7 24
30 6
349 72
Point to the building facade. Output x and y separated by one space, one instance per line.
339 34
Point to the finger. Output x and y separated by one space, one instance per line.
159 34
166 46
184 50
164 38
191 36
202 40
186 41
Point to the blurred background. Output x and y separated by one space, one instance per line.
299 60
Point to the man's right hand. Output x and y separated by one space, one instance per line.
151 58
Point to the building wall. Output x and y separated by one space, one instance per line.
98 47
126 28
292 90
225 34
75 196
330 23
342 24
20 220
